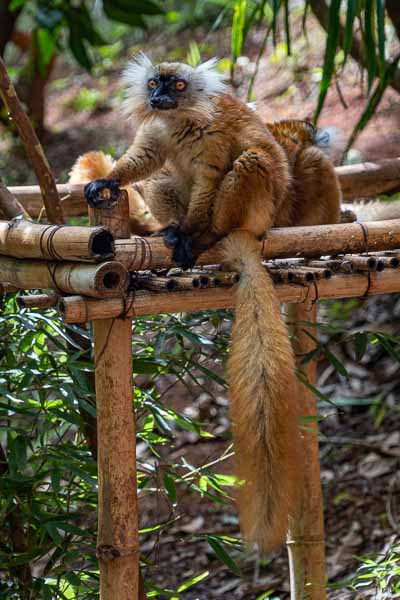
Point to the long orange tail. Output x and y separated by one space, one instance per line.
264 406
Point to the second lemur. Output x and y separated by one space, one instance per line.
211 170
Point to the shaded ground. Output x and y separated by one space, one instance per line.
359 445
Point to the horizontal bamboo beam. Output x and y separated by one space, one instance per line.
140 253
38 300
77 309
23 239
103 280
369 178
71 196
357 181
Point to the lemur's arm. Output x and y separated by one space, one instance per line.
146 155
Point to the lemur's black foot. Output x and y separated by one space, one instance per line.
102 193
171 235
182 254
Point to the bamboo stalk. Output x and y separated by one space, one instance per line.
6 288
32 146
77 309
336 265
363 263
23 239
72 199
98 281
117 538
39 300
10 208
139 253
306 539
357 181
319 272
369 178
158 284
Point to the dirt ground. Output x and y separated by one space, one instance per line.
359 444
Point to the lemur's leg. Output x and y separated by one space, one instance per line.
317 190
165 197
244 200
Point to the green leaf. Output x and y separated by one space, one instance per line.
139 7
223 554
238 24
46 48
287 26
348 32
81 18
188 584
78 49
170 487
330 52
380 17
115 13
369 41
360 344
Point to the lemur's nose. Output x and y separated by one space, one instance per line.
163 102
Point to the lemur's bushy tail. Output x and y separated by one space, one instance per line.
264 406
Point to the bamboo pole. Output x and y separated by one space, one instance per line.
369 178
10 208
357 181
306 539
76 309
32 146
117 538
98 281
140 253
39 300
23 239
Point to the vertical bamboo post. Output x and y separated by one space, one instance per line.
117 538
306 541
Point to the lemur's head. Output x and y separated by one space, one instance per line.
169 86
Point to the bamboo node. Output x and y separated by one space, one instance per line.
108 552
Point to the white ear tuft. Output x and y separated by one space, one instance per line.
134 79
208 78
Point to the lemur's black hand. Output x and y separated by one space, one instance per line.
102 193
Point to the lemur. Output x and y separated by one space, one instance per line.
211 170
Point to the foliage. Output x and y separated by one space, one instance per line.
372 47
48 477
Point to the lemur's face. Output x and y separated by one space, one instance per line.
167 89
169 86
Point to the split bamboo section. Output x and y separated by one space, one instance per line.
140 253
23 239
77 309
357 181
104 280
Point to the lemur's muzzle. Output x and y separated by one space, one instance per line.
163 102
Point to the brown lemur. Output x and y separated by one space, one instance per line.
210 170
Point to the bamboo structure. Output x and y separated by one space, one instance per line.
118 538
140 253
32 146
357 181
23 239
39 300
98 281
77 309
306 539
10 207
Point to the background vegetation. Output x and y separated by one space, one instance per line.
47 409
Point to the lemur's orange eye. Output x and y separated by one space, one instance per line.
151 84
181 85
